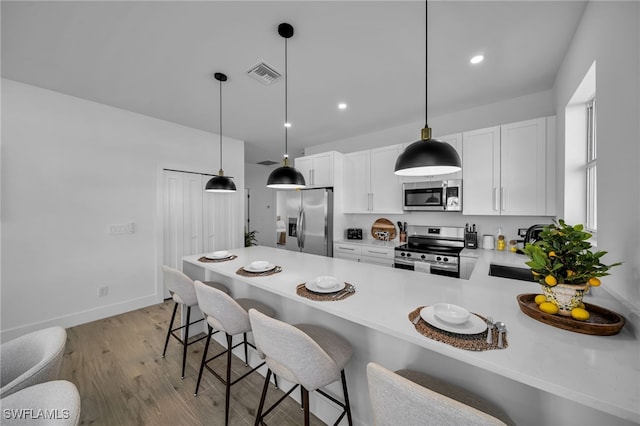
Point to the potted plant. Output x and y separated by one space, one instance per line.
250 238
563 262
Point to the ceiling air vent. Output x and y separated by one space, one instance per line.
267 163
264 73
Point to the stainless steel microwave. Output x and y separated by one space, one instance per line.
442 195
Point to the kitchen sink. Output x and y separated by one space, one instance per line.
513 272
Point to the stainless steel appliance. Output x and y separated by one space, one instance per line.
309 214
442 195
431 248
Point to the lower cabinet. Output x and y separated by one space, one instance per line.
364 253
467 263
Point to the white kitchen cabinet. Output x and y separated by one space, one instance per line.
505 170
362 252
370 184
454 140
317 169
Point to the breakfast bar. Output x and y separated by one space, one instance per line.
544 375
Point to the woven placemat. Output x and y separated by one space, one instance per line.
226 259
348 291
244 273
470 342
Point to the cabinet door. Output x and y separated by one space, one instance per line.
386 188
454 140
377 261
305 166
481 172
356 194
523 180
323 169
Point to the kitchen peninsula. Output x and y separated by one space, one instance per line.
545 375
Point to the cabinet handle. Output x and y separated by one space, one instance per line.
502 199
346 248
370 201
378 252
496 206
313 177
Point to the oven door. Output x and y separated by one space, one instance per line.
446 269
425 198
403 264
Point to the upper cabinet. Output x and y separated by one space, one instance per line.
370 184
454 140
510 169
317 169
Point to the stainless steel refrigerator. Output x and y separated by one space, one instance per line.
309 221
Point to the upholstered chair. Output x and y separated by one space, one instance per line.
229 316
184 294
306 355
411 398
31 359
54 403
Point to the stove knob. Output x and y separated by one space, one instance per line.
446 259
438 258
408 254
423 257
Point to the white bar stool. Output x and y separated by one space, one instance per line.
307 355
411 398
183 293
230 316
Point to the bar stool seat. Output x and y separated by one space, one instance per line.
230 316
412 398
183 294
306 355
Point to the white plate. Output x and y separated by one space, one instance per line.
250 268
474 325
313 286
451 314
219 255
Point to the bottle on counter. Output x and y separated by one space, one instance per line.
513 246
501 244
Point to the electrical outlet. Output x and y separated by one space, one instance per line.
103 291
120 229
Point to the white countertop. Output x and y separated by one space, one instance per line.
602 372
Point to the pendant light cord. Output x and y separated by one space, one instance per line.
426 62
220 124
286 97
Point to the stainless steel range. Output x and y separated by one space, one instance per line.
431 248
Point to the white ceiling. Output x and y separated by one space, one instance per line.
157 58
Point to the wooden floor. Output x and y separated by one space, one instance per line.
117 365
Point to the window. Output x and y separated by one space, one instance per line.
591 173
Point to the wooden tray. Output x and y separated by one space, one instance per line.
384 225
601 322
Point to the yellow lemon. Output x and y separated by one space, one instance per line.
540 299
581 305
535 273
552 254
594 282
580 314
550 280
549 308
570 273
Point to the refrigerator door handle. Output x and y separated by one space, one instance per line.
298 229
301 230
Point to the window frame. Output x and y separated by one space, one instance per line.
591 181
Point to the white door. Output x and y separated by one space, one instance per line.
386 189
481 171
357 197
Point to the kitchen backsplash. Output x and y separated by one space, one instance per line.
484 224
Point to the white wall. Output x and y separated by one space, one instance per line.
70 168
517 109
609 35
262 210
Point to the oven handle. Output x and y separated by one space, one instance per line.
442 266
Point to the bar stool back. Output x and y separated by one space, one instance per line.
412 398
183 293
230 316
306 355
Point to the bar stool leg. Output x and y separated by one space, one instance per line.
228 381
173 317
301 398
246 352
204 359
305 401
346 398
186 340
263 397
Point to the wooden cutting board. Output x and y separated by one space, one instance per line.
383 225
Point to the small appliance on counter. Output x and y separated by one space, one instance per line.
354 233
470 236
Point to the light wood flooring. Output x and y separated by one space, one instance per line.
117 365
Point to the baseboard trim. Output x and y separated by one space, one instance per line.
81 317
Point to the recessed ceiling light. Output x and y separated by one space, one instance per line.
287 124
477 59
342 105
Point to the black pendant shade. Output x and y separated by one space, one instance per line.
285 177
427 156
220 182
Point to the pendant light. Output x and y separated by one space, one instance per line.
427 156
285 177
220 182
